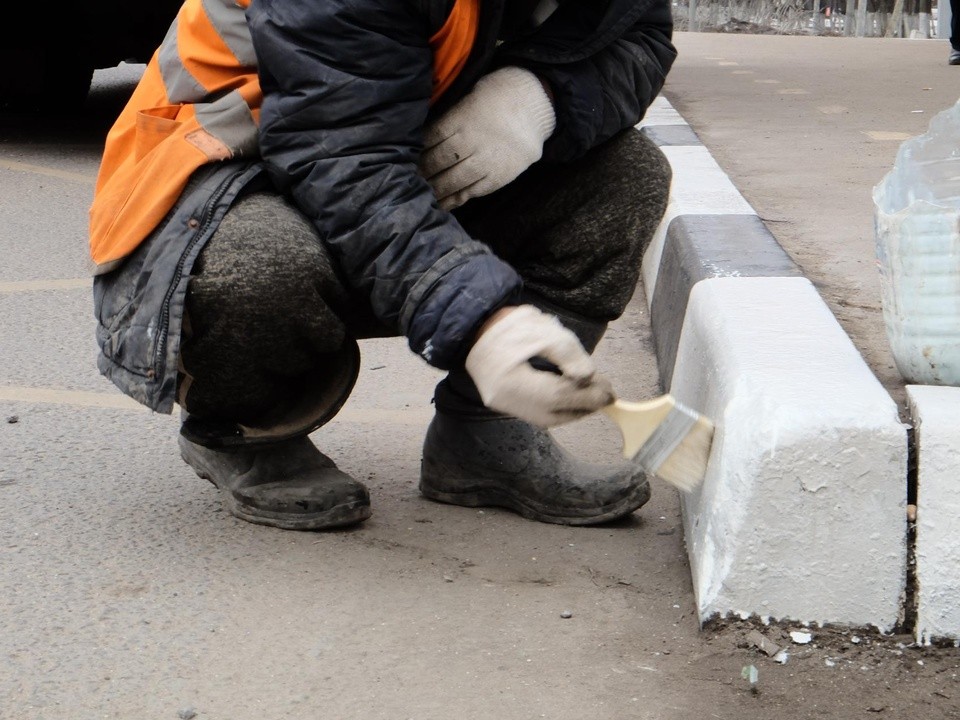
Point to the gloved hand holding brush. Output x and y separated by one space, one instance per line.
508 383
664 437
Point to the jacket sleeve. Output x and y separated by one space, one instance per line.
609 89
346 89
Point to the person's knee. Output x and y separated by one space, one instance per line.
639 173
587 257
260 311
264 255
630 180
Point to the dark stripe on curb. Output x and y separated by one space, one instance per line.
671 134
698 247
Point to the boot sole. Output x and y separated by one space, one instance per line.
496 497
339 516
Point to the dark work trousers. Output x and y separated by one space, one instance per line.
955 24
266 307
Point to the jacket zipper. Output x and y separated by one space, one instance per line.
160 352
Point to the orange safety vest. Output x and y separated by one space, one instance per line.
172 125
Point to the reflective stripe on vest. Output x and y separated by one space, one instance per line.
198 102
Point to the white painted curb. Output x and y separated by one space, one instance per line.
936 418
802 514
699 187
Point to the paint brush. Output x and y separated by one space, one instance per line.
665 438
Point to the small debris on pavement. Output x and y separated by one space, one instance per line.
751 675
566 614
781 657
829 663
800 637
911 513
13 419
187 714
855 639
447 578
763 643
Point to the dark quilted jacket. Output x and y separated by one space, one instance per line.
346 96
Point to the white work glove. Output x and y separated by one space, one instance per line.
488 138
498 364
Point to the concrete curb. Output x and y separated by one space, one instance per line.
936 418
801 515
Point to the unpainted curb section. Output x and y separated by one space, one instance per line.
802 514
936 418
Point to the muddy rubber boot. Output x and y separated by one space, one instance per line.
287 484
270 472
474 457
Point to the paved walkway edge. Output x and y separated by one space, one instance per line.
802 514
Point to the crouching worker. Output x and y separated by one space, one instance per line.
290 177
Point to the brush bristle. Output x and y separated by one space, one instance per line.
686 466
